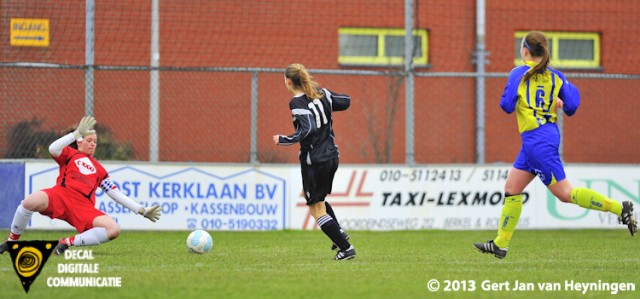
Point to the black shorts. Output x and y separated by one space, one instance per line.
317 180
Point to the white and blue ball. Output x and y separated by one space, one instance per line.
199 241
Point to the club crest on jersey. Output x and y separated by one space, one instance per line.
85 166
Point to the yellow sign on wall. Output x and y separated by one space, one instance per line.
30 32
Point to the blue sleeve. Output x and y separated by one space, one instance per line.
304 121
569 94
510 95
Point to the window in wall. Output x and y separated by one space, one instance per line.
379 46
568 49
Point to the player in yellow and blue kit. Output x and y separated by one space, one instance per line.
534 91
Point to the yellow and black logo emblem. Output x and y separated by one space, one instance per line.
28 258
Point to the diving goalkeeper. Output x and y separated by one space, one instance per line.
73 197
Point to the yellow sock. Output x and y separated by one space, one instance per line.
591 199
509 219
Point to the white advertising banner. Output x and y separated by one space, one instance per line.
191 197
365 197
463 197
409 198
618 182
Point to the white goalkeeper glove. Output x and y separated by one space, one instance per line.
85 127
152 213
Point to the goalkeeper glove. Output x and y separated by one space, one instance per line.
85 127
152 213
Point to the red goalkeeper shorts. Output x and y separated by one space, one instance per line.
72 207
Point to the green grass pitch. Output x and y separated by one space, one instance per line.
298 264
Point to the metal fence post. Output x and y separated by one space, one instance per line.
154 85
89 57
409 82
480 57
254 118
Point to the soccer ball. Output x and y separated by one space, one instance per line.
199 241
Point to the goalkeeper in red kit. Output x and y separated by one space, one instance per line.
73 197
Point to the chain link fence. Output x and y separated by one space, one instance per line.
203 81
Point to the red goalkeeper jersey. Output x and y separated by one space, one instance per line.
80 172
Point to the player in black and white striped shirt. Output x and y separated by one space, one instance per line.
312 108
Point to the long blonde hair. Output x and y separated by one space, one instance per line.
300 79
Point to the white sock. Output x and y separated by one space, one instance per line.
20 220
94 236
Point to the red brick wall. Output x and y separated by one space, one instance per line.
206 117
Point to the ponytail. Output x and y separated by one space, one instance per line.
537 45
301 79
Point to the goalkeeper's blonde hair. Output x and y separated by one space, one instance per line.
301 79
